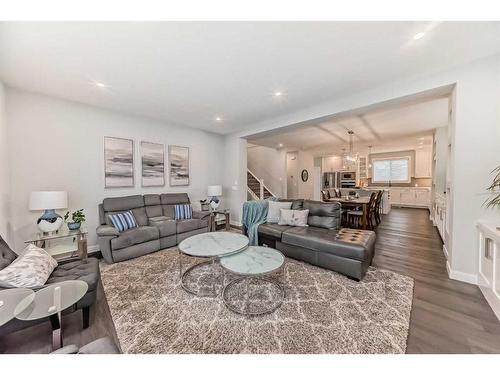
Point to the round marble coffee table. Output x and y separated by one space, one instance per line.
254 292
211 245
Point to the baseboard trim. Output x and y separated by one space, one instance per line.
492 299
469 278
445 251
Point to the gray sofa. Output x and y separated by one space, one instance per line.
86 270
157 228
323 242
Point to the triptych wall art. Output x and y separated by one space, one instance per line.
119 163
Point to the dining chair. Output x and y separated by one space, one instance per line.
354 216
325 195
378 207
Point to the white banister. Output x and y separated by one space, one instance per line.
261 193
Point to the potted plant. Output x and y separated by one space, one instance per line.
77 217
494 189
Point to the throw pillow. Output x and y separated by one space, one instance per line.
31 269
273 212
183 211
123 221
296 218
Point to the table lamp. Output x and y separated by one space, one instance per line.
49 201
214 192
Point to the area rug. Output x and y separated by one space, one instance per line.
323 312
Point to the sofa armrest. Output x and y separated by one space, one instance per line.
107 230
201 214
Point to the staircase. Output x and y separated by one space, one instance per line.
256 188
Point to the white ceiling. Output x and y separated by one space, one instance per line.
400 126
189 73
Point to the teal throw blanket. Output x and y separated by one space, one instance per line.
254 213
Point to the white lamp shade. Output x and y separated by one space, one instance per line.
214 191
48 200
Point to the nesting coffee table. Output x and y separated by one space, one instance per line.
213 246
254 291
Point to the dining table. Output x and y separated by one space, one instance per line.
353 202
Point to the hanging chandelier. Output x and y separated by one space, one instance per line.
350 157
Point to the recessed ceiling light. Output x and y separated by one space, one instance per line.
418 36
218 119
421 138
100 84
278 93
280 145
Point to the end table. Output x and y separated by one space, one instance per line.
213 219
80 236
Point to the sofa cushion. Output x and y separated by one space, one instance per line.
139 215
296 218
273 212
174 198
30 270
297 204
123 203
183 211
123 221
323 215
166 227
86 270
135 236
154 211
184 226
168 210
273 230
152 200
158 219
325 240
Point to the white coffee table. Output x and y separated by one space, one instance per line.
214 246
254 292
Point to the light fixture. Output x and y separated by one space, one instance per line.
278 93
350 158
101 85
370 157
418 36
421 138
218 119
280 145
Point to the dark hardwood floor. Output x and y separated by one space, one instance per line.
447 316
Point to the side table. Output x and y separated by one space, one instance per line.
213 219
80 236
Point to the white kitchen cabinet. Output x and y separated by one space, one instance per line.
407 197
422 197
410 197
423 163
332 164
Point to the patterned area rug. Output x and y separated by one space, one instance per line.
323 312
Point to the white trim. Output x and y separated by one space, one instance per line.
469 278
445 251
492 299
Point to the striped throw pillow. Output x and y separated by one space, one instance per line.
183 211
123 221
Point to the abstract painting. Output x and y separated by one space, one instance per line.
179 165
118 162
153 164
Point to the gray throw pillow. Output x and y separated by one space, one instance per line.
30 270
295 218
273 212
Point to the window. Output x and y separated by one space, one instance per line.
394 170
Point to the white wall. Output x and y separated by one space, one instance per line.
441 138
306 161
58 145
475 138
269 164
5 230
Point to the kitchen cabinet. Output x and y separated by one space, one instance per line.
423 163
332 164
410 197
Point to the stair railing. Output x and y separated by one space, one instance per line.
262 187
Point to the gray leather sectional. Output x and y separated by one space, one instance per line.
323 242
157 228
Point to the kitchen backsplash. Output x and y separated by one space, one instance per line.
421 182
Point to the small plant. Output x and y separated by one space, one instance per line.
494 189
76 217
